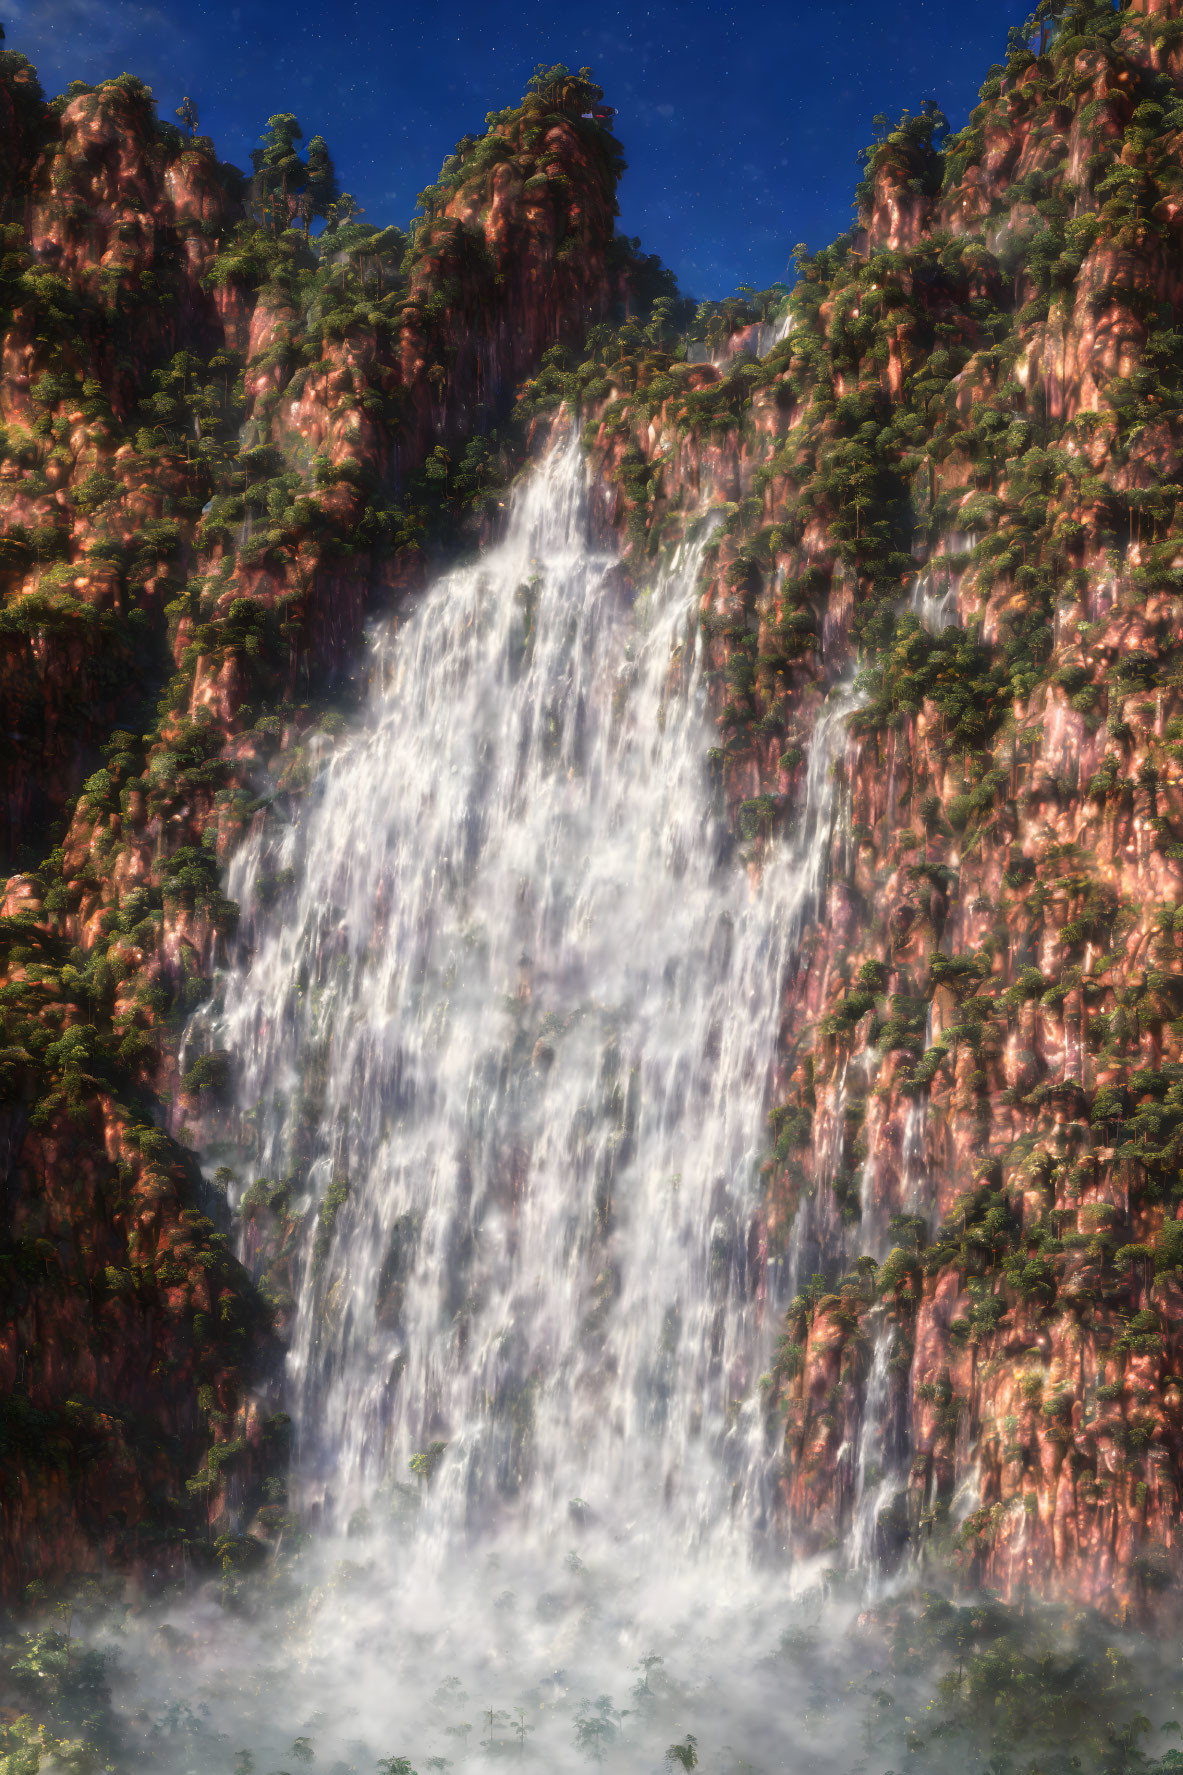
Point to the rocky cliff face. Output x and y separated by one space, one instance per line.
211 466
951 488
955 485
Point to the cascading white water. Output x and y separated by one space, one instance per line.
513 1032
537 1004
761 338
780 329
936 593
877 1478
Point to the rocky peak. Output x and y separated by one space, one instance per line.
215 433
942 483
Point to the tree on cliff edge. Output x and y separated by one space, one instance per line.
323 189
285 186
562 90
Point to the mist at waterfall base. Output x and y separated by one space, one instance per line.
505 1022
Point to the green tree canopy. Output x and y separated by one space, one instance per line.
286 186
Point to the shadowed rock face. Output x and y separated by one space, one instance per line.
951 463
149 333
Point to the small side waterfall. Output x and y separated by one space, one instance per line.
877 1477
936 592
777 330
819 1237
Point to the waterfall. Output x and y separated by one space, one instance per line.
936 593
777 330
505 1022
509 1042
505 1041
914 1179
967 1470
760 338
877 1477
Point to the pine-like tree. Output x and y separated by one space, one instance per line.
321 176
280 174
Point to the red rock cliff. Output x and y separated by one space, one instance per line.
210 431
959 475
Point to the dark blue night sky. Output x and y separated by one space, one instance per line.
740 123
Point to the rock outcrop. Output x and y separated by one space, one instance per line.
955 484
214 437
